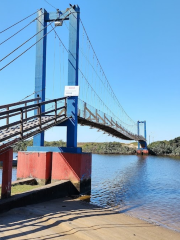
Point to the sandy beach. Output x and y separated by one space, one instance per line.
73 219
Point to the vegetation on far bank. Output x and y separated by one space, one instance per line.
169 148
22 146
108 148
99 148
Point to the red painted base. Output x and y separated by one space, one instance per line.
142 152
35 164
55 166
6 158
75 167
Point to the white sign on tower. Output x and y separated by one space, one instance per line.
71 91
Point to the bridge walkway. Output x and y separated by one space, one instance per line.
23 126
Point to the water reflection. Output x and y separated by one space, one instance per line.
14 174
145 187
14 170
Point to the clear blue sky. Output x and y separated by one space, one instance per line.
138 45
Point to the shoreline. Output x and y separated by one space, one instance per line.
154 222
73 219
126 154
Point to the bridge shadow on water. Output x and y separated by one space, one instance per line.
61 218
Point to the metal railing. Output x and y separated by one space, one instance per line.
91 116
33 119
7 107
27 126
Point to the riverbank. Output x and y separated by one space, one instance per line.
165 148
92 147
72 219
159 148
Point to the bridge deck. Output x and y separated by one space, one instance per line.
30 126
13 134
112 130
38 120
90 116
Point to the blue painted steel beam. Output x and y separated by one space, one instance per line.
53 16
142 143
73 65
40 68
145 129
145 134
138 133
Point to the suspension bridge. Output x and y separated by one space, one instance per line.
96 105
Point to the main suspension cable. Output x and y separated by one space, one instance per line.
50 4
84 76
20 30
23 43
18 22
102 68
26 50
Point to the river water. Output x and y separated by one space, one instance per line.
144 187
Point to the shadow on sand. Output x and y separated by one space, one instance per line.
56 219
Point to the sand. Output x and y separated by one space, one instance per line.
73 219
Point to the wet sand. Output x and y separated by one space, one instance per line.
73 219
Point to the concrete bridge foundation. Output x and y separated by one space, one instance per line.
53 166
142 151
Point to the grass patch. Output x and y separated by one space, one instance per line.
22 188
